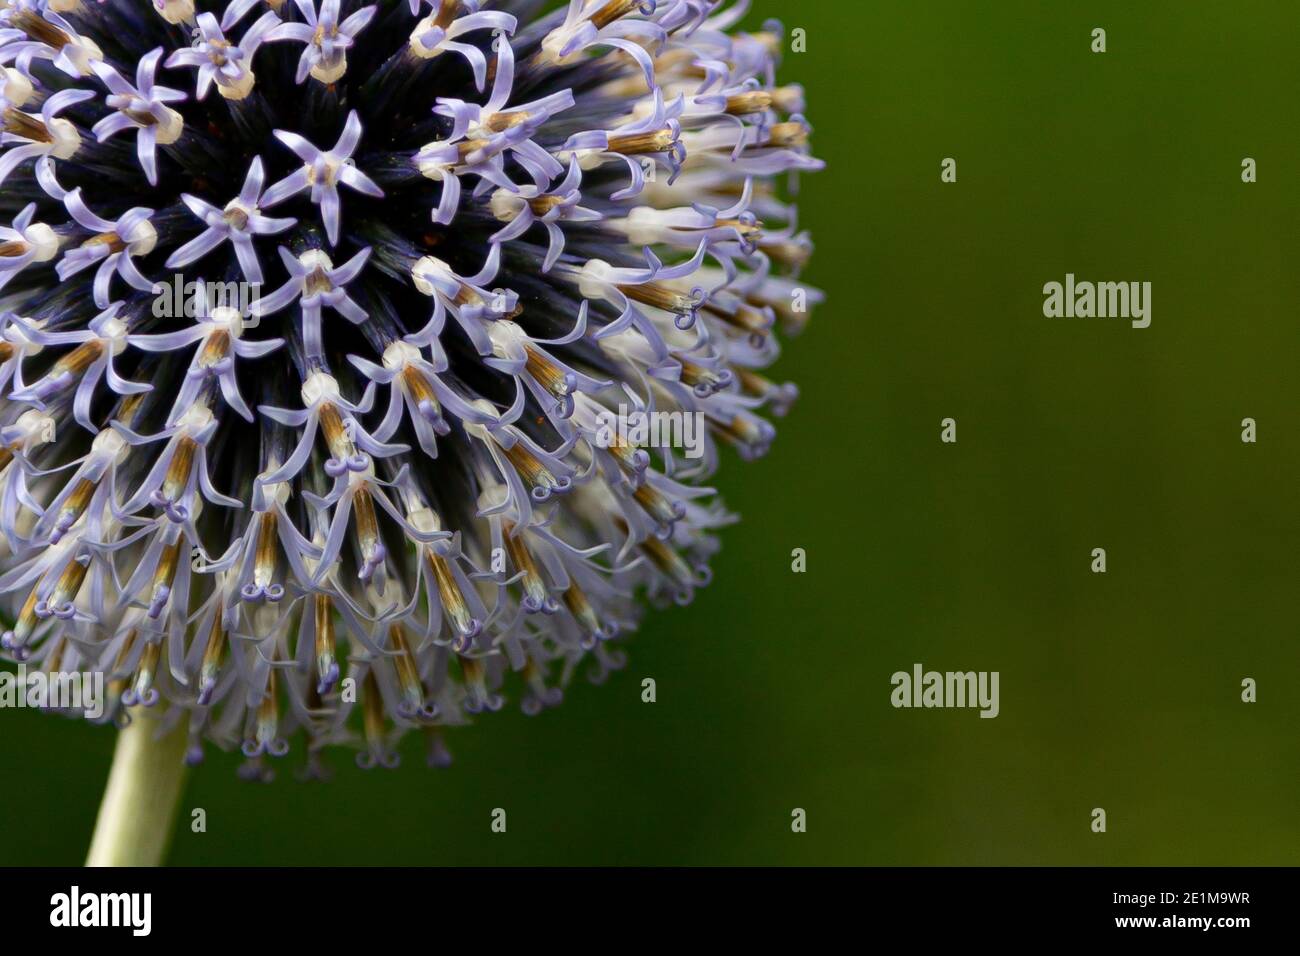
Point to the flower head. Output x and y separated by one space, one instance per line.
384 483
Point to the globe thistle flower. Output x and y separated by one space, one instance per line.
373 497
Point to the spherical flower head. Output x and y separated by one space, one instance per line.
472 299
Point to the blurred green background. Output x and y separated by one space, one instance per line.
1119 691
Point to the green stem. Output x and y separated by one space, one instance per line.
144 788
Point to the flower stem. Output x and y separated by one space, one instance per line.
144 788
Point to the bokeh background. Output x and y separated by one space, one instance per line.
1119 691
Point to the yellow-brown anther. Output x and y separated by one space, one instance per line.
787 135
500 122
447 13
25 125
363 507
219 44
659 296
530 467
637 144
38 28
79 359
418 387
336 433
751 383
542 205
738 432
656 504
468 146
141 117
327 668
372 713
669 562
754 101
26 620
142 683
544 370
213 652
697 375
317 282
74 506
162 578
743 317
625 454
575 599
408 676
522 558
178 469
268 714
235 215
215 348
114 242
750 230
614 10
787 99
129 408
467 296
264 562
454 607
66 587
